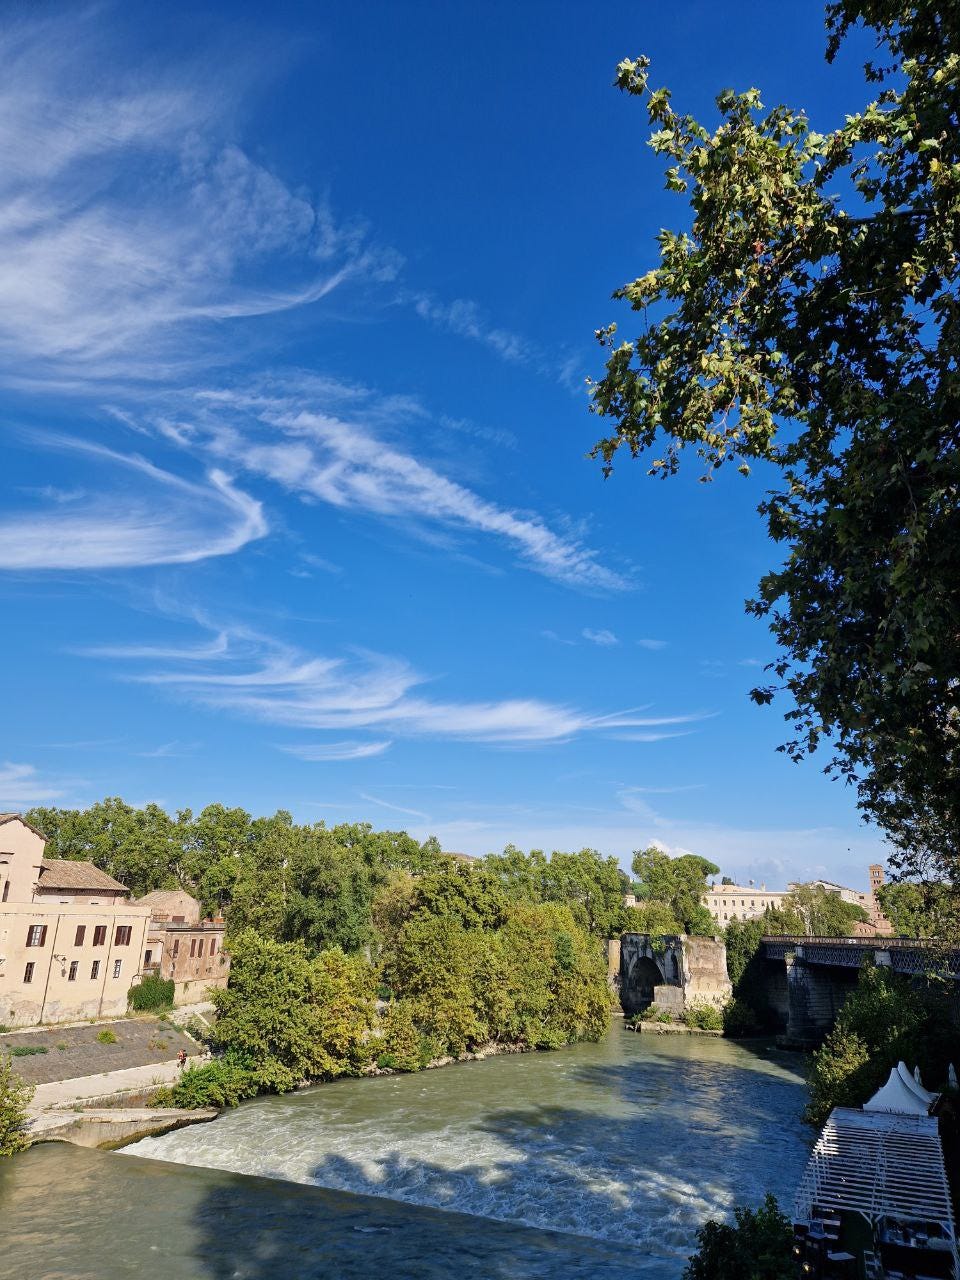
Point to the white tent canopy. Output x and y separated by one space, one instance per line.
903 1094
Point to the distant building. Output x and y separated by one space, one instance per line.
183 947
874 1200
71 942
727 902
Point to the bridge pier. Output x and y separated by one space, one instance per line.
815 995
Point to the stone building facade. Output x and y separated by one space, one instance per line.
71 942
183 947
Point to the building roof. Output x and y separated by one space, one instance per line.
65 873
879 1164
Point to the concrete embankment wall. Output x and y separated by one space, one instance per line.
114 1126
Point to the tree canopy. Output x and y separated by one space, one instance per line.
806 317
669 892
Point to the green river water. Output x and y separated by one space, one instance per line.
596 1161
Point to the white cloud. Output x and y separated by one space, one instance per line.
465 319
283 434
129 223
333 751
21 787
261 678
605 639
169 520
653 645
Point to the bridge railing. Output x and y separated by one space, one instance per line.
877 943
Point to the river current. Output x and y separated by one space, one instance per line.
598 1160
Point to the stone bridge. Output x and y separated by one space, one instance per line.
807 979
673 971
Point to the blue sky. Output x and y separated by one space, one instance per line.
296 308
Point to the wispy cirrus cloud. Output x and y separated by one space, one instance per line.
131 225
261 678
316 752
165 520
314 438
22 786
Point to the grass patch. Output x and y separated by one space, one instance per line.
106 1036
27 1050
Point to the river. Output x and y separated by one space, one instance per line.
598 1160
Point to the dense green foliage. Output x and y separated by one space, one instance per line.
312 883
669 892
705 1017
807 317
886 1019
293 1017
590 885
14 1098
921 909
223 1082
152 992
757 1245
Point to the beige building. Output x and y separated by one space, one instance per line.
71 942
727 902
183 947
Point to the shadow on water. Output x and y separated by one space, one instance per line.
599 1168
605 1194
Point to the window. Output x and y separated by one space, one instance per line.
117 966
36 935
213 946
28 972
99 935
148 956
193 947
80 935
179 919
122 936
74 966
176 948
95 969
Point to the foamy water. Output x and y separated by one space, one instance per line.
635 1141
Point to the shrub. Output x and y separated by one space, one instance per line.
662 1015
739 1019
153 992
14 1097
27 1050
705 1017
224 1082
106 1036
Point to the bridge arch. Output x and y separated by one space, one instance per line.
643 975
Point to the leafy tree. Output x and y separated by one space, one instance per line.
139 847
592 886
823 913
292 1018
14 1099
677 884
807 318
758 1245
921 909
